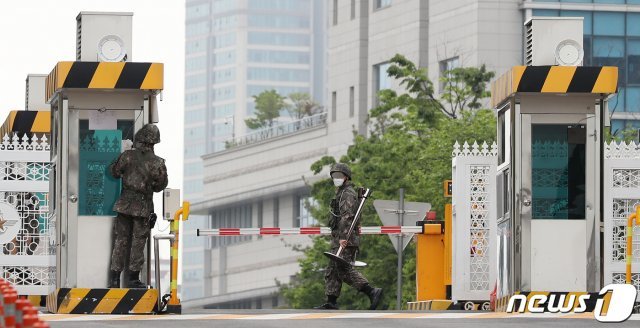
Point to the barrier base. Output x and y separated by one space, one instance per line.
175 309
444 305
103 301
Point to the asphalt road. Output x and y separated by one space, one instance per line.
333 319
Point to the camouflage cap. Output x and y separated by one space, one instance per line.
341 167
149 134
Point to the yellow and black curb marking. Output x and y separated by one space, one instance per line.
555 79
22 121
102 301
105 75
440 305
37 300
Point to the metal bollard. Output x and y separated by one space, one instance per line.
633 218
156 253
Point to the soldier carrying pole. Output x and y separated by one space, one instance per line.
346 241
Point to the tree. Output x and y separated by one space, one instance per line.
268 106
463 88
409 146
301 104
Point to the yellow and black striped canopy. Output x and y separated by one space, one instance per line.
22 121
554 79
105 75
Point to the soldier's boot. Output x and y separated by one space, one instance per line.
134 280
114 279
375 295
331 304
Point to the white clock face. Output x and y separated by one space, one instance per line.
111 48
569 52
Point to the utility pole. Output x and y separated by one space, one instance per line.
400 243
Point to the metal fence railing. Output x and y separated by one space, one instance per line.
277 130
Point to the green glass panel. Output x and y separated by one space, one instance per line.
98 189
558 171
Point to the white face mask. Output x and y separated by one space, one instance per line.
338 182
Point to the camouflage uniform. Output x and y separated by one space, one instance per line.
344 206
142 173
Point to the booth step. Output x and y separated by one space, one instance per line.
103 301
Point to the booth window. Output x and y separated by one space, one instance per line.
558 159
97 149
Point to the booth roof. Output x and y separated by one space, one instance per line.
554 80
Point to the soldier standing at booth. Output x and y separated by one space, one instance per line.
142 173
343 210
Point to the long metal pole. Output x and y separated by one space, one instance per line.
400 249
356 218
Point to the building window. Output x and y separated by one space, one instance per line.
234 217
352 101
303 213
353 9
279 39
382 3
609 51
276 212
445 67
381 80
334 100
335 12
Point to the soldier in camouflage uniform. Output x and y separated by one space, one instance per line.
343 211
142 173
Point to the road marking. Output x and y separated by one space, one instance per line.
315 316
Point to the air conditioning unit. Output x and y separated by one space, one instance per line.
104 36
554 41
35 92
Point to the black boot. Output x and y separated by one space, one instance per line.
332 304
134 280
375 295
114 279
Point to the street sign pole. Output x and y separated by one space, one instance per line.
396 212
400 242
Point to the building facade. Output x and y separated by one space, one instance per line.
263 180
235 49
612 38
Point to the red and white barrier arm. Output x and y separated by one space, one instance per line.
380 230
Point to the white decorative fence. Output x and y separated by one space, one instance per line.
26 233
474 234
621 195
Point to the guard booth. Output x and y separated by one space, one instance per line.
97 102
95 107
550 144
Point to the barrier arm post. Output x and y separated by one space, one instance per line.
173 305
633 218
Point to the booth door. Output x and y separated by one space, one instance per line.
95 141
556 199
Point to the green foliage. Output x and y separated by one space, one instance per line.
268 106
408 148
464 87
627 134
301 104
